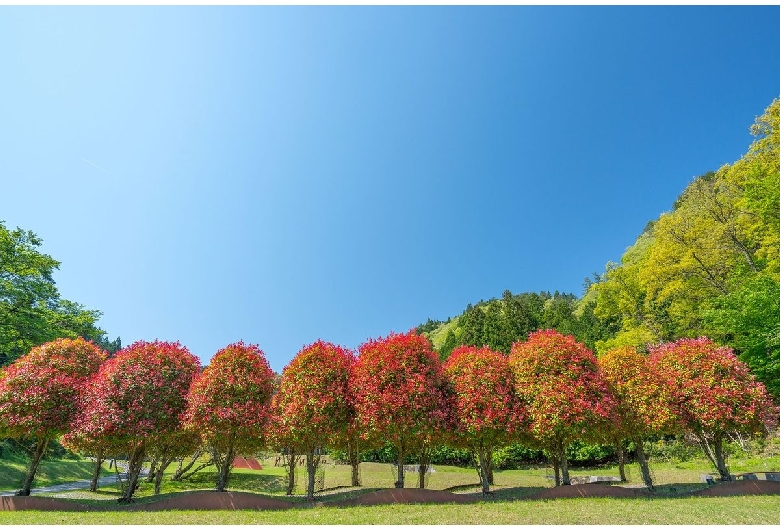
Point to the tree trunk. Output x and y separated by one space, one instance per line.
312 463
96 472
705 446
133 472
181 471
621 454
400 482
225 464
158 476
425 461
152 470
644 468
720 458
354 461
290 472
564 467
484 470
40 448
556 462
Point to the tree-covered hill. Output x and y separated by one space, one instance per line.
710 266
499 323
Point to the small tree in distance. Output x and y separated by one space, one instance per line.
486 408
39 393
228 405
401 395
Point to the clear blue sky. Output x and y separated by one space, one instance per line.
282 174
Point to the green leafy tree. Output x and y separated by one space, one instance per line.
495 332
472 325
450 343
31 310
748 319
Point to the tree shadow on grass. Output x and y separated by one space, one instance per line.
272 484
496 493
678 489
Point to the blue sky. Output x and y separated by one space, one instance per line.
283 174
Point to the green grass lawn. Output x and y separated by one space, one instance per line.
13 469
730 510
507 505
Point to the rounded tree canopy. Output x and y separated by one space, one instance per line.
39 391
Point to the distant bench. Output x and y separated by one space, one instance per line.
772 476
415 468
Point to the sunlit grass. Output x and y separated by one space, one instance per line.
727 510
508 505
13 469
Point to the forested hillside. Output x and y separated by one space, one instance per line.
710 266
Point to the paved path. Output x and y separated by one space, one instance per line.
78 485
81 484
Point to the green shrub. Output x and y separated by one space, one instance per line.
670 449
582 454
516 455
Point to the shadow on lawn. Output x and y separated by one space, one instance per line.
203 499
240 481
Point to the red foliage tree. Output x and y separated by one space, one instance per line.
566 396
312 406
642 405
351 441
713 393
135 401
486 408
229 405
39 393
401 395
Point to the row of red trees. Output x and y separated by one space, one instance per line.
153 401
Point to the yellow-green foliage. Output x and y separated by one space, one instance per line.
438 335
723 232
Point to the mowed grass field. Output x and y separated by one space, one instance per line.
726 510
13 468
508 505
